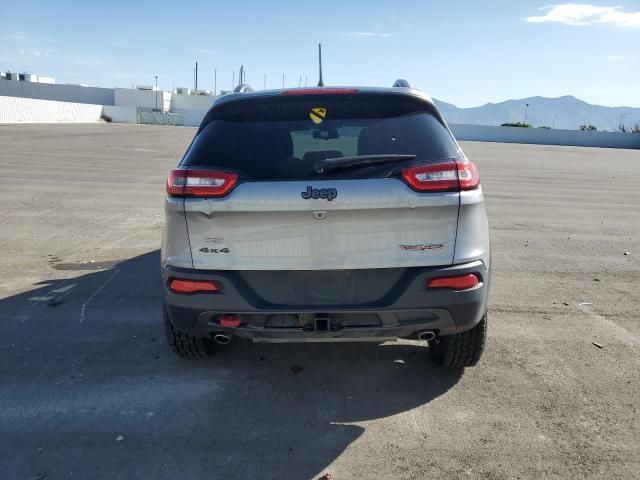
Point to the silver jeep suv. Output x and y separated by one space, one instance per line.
326 214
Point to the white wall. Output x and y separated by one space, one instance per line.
194 117
484 133
191 102
61 93
29 110
120 114
194 106
126 97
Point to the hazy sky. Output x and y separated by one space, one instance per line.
463 52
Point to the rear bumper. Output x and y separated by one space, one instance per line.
405 310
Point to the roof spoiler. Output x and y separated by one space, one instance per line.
401 83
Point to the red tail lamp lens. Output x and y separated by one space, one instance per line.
432 178
229 320
460 282
200 183
468 175
442 177
193 286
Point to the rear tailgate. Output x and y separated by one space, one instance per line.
273 208
372 223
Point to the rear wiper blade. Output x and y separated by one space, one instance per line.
331 164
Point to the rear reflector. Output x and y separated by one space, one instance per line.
229 320
200 183
442 177
193 286
319 91
461 282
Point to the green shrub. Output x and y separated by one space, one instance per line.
588 128
516 124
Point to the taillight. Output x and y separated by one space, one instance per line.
229 320
200 183
442 177
319 91
459 282
193 286
468 175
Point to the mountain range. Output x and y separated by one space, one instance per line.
563 112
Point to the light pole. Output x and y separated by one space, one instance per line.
526 111
553 125
156 92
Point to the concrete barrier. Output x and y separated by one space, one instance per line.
30 110
543 136
120 114
59 93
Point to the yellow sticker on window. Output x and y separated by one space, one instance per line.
317 115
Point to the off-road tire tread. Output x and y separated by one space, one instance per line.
462 349
185 345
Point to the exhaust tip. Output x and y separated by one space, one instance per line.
221 338
426 335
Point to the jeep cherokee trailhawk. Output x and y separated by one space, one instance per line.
326 214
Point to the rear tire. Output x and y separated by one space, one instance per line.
462 349
185 345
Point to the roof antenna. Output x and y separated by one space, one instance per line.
320 82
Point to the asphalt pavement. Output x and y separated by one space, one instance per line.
90 390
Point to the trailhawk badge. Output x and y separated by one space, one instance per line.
422 247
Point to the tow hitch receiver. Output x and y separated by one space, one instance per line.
321 323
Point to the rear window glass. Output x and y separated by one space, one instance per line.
281 138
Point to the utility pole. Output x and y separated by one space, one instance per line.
526 111
196 75
233 82
156 92
215 81
283 80
305 80
553 125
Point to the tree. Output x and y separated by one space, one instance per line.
516 124
588 128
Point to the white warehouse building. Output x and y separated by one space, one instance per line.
126 105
